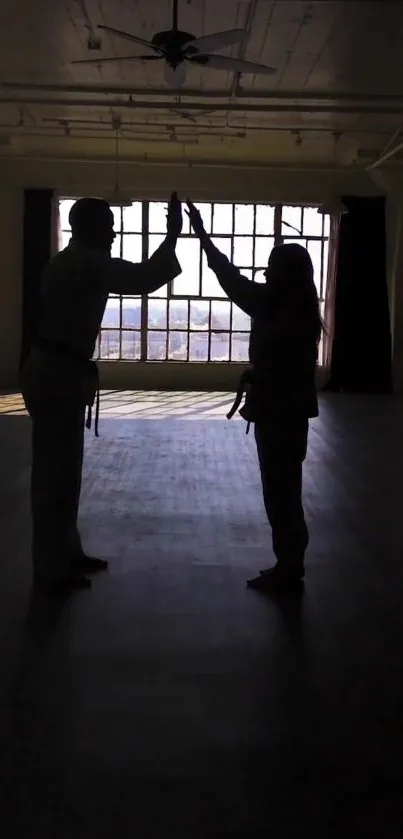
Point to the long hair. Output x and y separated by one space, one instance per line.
290 279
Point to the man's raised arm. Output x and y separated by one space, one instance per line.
123 277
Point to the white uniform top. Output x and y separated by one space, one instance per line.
76 285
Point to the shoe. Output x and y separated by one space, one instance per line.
297 570
88 564
279 579
61 585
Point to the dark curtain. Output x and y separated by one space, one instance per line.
37 242
361 351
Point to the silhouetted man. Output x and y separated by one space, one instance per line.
59 379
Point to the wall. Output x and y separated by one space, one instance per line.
11 226
391 182
76 178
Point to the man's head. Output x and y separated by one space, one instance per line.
91 221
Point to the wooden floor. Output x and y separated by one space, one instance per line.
171 702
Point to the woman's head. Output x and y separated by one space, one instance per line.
289 262
290 278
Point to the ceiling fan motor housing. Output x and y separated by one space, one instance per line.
172 43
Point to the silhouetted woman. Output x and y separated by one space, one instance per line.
280 389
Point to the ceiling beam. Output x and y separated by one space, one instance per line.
243 107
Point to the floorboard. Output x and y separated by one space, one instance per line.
170 701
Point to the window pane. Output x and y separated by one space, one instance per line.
220 314
64 208
315 252
243 250
66 236
210 285
223 243
240 347
115 250
178 314
199 314
131 312
131 345
132 247
263 249
110 344
247 272
222 218
153 243
178 346
161 292
205 211
239 319
259 276
158 216
219 346
132 218
117 218
244 214
198 346
288 240
112 313
188 253
291 216
326 226
264 220
96 354
156 346
157 314
312 222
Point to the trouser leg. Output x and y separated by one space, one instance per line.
57 455
281 452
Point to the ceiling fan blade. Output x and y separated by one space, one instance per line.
119 58
183 114
217 41
133 38
136 138
236 65
195 115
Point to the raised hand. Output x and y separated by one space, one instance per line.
195 219
174 217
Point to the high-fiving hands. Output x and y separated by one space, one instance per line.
174 217
195 219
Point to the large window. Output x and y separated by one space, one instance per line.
191 319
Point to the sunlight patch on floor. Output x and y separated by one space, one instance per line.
145 404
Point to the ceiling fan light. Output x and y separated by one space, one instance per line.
118 199
175 76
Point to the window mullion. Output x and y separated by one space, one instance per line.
144 299
278 209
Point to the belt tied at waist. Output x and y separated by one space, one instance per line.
244 384
63 351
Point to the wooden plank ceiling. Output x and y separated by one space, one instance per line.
336 96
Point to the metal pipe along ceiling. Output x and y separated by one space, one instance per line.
191 106
242 93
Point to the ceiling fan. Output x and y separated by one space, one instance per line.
175 48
